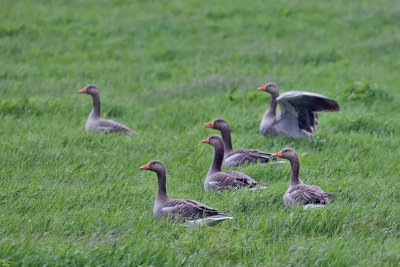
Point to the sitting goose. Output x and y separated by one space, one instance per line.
219 180
180 210
298 112
297 191
95 123
238 156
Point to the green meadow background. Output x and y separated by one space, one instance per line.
164 68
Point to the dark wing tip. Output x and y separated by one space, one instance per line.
331 105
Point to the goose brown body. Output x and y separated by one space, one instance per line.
298 192
97 124
236 157
220 180
180 210
298 112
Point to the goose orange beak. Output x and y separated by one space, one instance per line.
83 90
209 124
277 155
262 88
206 141
145 167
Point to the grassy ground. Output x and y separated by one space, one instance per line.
164 69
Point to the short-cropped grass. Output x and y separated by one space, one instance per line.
68 197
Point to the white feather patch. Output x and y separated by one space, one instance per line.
209 220
313 206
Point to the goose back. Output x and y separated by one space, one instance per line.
239 157
228 179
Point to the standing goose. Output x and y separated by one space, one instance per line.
217 179
180 210
236 157
298 192
95 123
298 112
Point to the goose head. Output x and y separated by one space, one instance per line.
286 153
154 165
89 89
213 140
271 88
218 124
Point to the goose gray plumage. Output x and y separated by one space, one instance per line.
217 179
236 157
95 123
298 112
298 192
180 210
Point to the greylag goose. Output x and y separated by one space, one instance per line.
236 157
180 210
298 192
298 112
217 179
95 123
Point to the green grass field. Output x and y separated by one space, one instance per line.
164 69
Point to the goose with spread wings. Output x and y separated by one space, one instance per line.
298 112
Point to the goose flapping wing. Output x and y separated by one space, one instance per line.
303 106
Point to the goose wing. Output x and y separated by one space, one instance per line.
224 180
187 209
309 194
303 106
113 127
245 156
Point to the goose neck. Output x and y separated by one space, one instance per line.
295 170
271 111
162 187
96 106
226 137
218 158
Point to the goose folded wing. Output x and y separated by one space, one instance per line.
308 194
241 156
188 209
226 179
113 126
